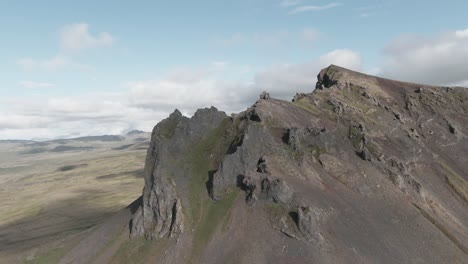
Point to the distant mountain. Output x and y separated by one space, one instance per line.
361 170
105 138
15 141
135 132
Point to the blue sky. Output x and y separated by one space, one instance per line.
75 68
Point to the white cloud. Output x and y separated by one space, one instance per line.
32 85
76 37
187 94
307 8
288 3
371 10
462 33
73 38
57 117
342 57
285 80
440 59
52 64
146 102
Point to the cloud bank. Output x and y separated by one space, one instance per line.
146 102
440 59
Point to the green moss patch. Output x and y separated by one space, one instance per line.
139 250
167 129
51 256
305 104
205 215
215 212
355 135
316 150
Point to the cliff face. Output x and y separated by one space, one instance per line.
363 169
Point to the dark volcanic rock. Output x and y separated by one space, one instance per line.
365 154
277 190
265 96
361 170
161 213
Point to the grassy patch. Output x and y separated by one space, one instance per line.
295 154
275 210
316 150
51 256
305 104
137 250
271 122
333 73
167 129
15 214
205 215
215 212
355 135
204 157
329 106
373 148
456 182
278 214
353 96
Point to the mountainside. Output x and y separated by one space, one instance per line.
361 170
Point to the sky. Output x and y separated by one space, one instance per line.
79 68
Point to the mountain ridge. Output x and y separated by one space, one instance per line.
362 169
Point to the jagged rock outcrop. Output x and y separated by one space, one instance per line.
161 213
265 96
361 170
309 221
277 190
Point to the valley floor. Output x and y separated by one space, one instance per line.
52 191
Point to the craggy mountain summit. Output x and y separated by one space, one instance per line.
361 170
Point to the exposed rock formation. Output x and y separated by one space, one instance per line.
361 170
161 212
265 96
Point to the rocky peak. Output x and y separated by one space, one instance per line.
175 114
313 176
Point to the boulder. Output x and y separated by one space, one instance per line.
277 190
265 96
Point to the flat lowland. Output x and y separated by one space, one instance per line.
50 191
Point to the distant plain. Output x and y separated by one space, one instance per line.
50 191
